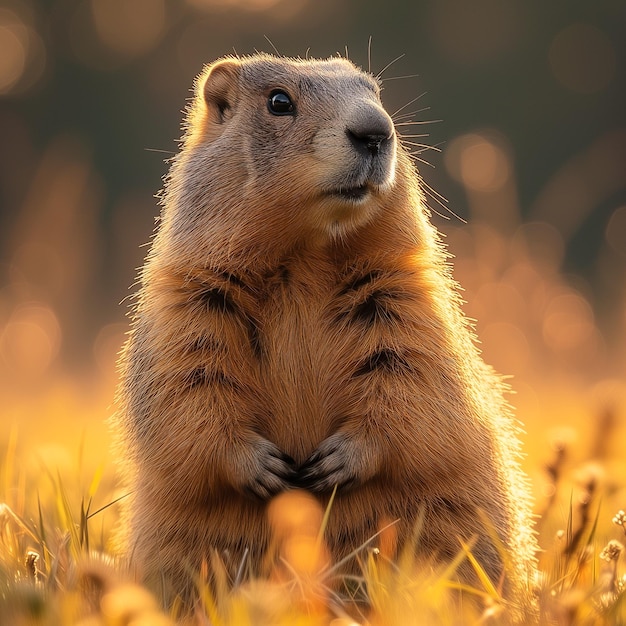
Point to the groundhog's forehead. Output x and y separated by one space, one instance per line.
264 70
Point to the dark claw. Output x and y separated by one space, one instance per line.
325 468
287 459
262 490
276 473
254 494
309 464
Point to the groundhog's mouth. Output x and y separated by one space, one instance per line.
353 194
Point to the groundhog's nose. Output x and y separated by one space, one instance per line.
369 130
366 142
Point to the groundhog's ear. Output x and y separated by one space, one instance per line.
220 88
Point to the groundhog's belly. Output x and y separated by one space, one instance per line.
295 379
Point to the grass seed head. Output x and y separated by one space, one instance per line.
32 566
620 520
612 551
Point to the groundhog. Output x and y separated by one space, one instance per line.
297 326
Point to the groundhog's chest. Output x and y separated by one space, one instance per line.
306 343
303 352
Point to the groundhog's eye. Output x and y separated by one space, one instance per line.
279 103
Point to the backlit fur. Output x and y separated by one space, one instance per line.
284 335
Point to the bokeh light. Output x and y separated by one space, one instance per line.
541 242
476 32
586 179
29 343
129 27
13 53
22 52
582 58
513 354
246 5
568 323
478 162
615 232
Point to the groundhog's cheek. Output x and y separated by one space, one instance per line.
300 180
337 164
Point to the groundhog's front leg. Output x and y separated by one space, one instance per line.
261 470
193 396
342 460
225 456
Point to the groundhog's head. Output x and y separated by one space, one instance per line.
297 147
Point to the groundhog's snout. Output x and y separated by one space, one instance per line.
370 130
371 137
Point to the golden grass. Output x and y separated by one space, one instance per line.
55 568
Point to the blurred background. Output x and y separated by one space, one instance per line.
522 107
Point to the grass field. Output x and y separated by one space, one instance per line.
59 508
533 135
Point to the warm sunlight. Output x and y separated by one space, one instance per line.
528 148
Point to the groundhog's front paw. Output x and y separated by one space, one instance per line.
340 460
267 472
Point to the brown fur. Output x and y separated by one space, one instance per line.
286 335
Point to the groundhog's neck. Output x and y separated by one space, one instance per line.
233 232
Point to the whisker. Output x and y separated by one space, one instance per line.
405 119
416 122
413 153
439 213
414 143
369 55
423 147
384 80
407 104
159 150
414 136
441 201
379 75
414 156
